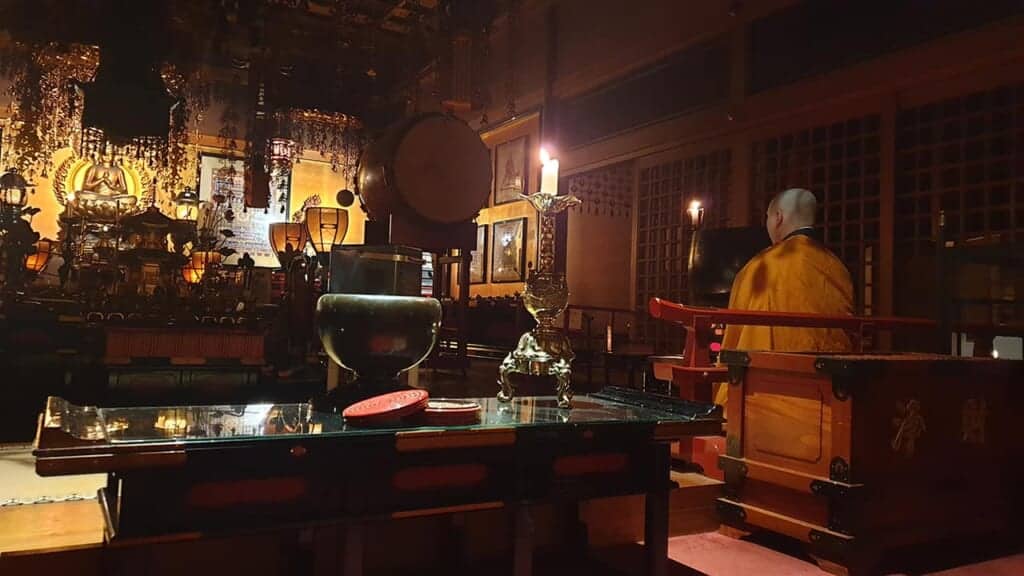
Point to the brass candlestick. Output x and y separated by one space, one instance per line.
545 350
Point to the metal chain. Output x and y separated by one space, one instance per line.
513 44
481 77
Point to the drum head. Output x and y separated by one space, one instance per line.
443 170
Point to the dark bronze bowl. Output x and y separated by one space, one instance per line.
377 336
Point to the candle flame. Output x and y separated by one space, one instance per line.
694 205
544 156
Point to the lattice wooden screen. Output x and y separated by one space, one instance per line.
663 237
841 164
964 156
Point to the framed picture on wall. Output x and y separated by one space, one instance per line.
511 170
508 263
478 262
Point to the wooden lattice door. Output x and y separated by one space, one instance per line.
841 164
663 235
962 157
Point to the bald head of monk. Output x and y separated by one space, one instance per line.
790 211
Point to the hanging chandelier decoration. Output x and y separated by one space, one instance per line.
194 95
43 78
165 105
336 136
49 102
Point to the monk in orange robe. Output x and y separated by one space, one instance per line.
797 274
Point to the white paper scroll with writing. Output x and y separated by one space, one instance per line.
251 227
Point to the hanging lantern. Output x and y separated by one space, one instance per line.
283 234
326 227
35 263
186 205
14 191
190 274
200 262
204 259
280 154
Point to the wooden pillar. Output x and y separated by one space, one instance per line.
550 125
738 60
887 216
741 183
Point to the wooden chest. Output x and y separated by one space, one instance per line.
857 455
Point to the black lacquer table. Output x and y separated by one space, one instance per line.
234 468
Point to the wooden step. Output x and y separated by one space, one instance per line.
620 520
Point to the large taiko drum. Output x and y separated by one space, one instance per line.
431 167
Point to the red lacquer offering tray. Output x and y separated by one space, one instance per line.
386 408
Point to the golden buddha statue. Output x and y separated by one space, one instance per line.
104 194
106 180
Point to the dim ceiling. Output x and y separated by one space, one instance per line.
347 56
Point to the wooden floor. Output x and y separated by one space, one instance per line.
55 526
67 538
62 536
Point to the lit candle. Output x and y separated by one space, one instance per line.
694 211
549 173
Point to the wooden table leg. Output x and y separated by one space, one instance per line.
656 504
522 547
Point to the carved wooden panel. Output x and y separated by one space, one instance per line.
605 191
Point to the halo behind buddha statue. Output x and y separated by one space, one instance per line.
104 190
105 187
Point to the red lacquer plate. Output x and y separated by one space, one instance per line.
386 407
449 412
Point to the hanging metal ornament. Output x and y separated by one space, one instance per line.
481 78
345 198
334 135
44 112
281 153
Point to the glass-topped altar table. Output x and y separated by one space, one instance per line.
235 468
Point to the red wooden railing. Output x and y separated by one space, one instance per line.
693 373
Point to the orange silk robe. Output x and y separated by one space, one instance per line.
796 275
